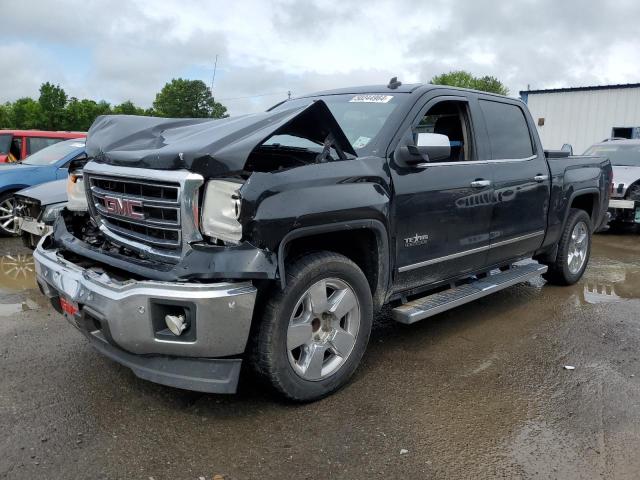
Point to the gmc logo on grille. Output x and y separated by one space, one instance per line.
123 207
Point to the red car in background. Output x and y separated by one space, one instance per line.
16 145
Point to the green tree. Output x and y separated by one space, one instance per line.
6 115
53 100
128 108
80 114
27 114
463 79
183 98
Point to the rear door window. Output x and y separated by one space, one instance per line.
35 144
509 135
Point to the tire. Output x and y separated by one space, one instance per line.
305 350
561 271
7 222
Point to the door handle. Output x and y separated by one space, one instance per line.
541 178
480 183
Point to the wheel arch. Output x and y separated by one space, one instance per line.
376 266
587 199
12 188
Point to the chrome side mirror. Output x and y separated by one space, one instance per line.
434 145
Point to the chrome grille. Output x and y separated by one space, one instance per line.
144 211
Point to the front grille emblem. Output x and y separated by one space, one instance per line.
124 207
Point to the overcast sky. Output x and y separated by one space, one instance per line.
118 50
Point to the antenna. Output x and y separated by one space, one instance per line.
213 77
394 83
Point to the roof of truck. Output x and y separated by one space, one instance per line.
385 89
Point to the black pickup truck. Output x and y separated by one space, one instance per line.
273 239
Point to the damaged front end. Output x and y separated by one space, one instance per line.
164 197
154 234
173 226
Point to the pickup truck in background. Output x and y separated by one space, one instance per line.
624 206
197 246
16 145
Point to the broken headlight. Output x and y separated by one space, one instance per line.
76 196
51 212
221 210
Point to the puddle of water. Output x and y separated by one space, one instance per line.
18 289
613 274
17 273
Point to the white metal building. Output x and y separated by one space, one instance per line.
583 116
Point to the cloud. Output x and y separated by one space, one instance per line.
19 81
120 50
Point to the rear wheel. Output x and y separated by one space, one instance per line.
574 250
312 335
8 224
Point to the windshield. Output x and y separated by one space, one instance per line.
360 116
620 155
5 143
54 153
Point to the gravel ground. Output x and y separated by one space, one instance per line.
480 392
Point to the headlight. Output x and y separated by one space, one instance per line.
51 212
221 210
76 196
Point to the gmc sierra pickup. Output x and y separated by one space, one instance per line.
192 246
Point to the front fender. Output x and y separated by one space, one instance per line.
275 204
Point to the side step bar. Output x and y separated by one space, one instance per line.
436 303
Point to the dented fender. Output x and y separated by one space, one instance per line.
277 203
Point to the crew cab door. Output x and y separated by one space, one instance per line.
521 181
442 210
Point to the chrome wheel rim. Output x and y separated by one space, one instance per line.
7 217
323 329
578 246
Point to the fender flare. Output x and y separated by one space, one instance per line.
376 226
577 193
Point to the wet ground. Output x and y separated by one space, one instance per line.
478 392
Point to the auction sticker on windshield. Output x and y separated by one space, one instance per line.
361 142
371 99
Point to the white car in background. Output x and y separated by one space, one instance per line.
624 206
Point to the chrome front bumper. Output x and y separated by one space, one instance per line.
123 325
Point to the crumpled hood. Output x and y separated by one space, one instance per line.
626 176
206 146
47 193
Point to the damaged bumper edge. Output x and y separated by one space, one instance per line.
244 262
125 322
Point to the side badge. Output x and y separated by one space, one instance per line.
416 240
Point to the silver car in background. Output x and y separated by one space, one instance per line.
624 206
37 208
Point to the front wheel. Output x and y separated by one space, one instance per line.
312 335
574 250
8 224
